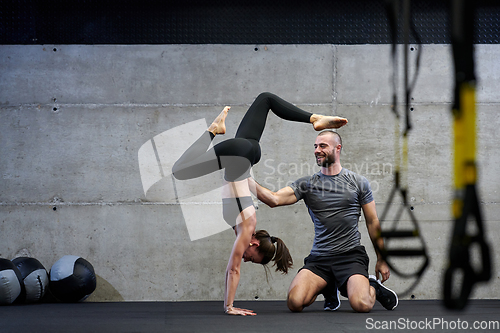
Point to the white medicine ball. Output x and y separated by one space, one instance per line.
11 283
34 276
72 279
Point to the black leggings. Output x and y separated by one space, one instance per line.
236 155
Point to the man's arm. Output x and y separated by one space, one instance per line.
373 225
283 197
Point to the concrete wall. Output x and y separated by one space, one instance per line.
74 119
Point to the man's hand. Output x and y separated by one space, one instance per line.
381 268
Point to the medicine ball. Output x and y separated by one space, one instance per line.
34 276
72 279
11 283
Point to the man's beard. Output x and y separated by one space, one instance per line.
326 162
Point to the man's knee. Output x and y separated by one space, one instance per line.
304 289
295 304
359 293
361 304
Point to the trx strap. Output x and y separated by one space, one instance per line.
400 183
466 202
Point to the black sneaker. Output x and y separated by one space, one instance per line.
385 296
332 301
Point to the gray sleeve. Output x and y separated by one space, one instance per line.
299 187
365 195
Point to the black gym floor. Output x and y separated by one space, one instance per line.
272 316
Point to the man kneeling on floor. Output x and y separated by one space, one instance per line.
335 197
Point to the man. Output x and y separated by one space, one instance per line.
335 197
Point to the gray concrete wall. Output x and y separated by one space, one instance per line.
74 119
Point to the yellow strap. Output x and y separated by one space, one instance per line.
464 128
465 138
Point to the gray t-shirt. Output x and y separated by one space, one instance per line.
334 204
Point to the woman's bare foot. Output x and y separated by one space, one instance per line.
326 122
218 126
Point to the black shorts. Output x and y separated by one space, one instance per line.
337 269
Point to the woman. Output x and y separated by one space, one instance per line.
236 156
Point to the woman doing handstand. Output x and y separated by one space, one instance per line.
236 156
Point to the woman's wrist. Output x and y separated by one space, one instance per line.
228 308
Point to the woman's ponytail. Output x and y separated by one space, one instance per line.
282 259
273 248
